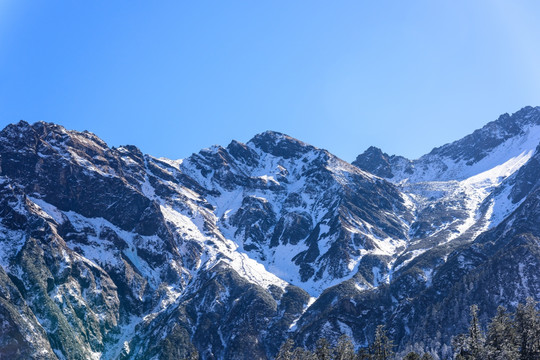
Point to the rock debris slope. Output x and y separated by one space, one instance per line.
108 253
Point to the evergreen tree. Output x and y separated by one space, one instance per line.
302 354
382 348
323 350
412 356
528 330
427 356
344 349
460 343
501 340
364 354
509 337
470 346
476 337
286 350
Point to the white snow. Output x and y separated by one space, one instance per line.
428 276
501 206
89 166
126 333
470 192
172 163
11 242
147 189
293 325
245 266
432 168
49 211
278 260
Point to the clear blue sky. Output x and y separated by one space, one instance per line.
173 77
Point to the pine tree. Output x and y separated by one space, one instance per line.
470 346
286 350
528 330
501 340
323 350
364 354
302 354
382 348
344 349
427 356
476 337
412 356
460 343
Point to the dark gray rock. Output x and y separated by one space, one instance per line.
109 251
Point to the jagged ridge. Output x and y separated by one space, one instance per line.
110 253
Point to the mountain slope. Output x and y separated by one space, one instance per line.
113 254
117 244
306 215
494 144
463 188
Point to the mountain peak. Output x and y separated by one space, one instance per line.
270 136
374 151
279 144
476 146
374 161
527 110
495 143
265 240
22 123
20 126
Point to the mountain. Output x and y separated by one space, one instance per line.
464 193
306 215
495 144
109 253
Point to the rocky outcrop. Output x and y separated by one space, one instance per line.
113 254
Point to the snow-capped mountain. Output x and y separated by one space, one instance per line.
464 188
306 215
509 137
109 253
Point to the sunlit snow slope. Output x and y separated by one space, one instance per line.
109 253
463 188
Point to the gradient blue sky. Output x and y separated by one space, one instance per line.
173 77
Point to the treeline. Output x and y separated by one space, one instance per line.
382 348
509 336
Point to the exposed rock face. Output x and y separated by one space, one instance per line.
109 253
484 149
308 216
376 162
464 193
